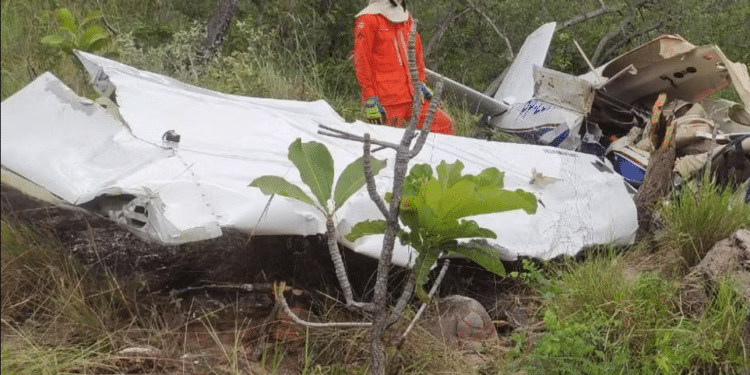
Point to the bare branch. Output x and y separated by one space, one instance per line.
338 263
218 26
588 62
429 119
587 16
441 28
438 280
620 29
502 36
417 99
278 293
628 37
370 179
380 321
336 133
252 288
406 296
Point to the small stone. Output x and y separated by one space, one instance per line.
463 323
140 351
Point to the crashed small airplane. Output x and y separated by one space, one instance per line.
606 112
172 162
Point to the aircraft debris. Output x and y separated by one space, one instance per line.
172 163
607 111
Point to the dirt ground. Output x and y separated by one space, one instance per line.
234 273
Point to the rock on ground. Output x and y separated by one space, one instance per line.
729 258
463 323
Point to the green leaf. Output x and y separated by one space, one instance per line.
461 193
428 218
423 296
315 165
366 228
489 200
91 36
99 44
420 171
464 229
352 179
432 191
418 174
490 177
484 256
449 174
52 40
67 20
410 219
269 185
91 16
423 264
67 35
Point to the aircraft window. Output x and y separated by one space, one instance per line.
137 223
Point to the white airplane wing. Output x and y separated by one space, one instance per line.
123 167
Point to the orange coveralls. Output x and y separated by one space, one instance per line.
380 60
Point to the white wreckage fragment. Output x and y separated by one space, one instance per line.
172 163
606 112
687 74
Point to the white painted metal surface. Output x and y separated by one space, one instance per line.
189 191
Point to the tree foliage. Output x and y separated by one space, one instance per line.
469 40
473 41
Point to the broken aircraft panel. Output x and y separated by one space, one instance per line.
172 162
600 112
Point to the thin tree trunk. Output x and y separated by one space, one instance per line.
440 30
217 27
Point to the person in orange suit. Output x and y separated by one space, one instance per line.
381 32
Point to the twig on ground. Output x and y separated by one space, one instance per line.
255 288
279 296
438 280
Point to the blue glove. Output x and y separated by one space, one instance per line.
374 112
426 91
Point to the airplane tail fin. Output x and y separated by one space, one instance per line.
518 85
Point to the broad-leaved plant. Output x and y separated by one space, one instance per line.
433 209
84 36
315 166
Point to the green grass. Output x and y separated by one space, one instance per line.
24 356
700 215
25 23
59 318
606 319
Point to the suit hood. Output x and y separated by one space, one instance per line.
394 14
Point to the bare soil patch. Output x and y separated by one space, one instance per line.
219 290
